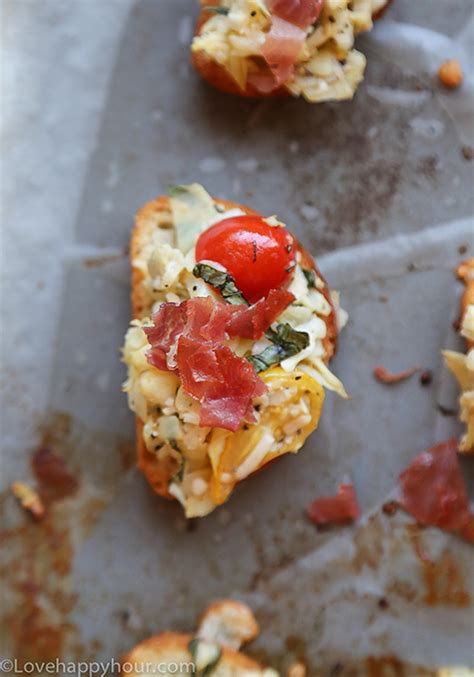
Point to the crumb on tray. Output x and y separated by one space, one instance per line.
450 73
384 376
29 499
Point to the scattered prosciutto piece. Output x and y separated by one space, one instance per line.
433 490
280 50
252 321
302 13
339 509
384 376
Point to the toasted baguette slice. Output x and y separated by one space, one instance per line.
219 77
148 219
226 625
171 648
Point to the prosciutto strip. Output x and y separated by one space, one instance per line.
283 43
187 338
252 322
301 13
281 48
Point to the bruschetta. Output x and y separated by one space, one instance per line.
260 48
462 365
227 354
214 649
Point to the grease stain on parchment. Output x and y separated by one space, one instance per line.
37 560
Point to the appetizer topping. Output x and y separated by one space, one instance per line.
385 376
339 509
304 46
433 489
259 257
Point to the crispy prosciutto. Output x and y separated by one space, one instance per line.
339 509
223 382
188 338
251 322
433 490
302 13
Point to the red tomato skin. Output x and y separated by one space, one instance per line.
258 256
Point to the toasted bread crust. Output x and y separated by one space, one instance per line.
146 221
465 273
173 647
218 77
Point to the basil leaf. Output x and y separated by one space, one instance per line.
286 343
310 277
215 9
221 281
178 476
177 191
193 647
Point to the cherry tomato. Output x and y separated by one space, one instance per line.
258 256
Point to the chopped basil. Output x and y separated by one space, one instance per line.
178 476
216 9
221 281
286 343
310 277
205 656
177 191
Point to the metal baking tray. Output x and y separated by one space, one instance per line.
104 112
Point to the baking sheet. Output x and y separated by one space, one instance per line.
103 112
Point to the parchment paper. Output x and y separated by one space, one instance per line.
101 111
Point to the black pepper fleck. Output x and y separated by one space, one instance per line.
426 377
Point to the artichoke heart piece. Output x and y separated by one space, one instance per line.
288 416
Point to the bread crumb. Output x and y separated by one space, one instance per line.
450 73
29 499
297 670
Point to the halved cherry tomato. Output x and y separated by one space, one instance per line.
258 256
